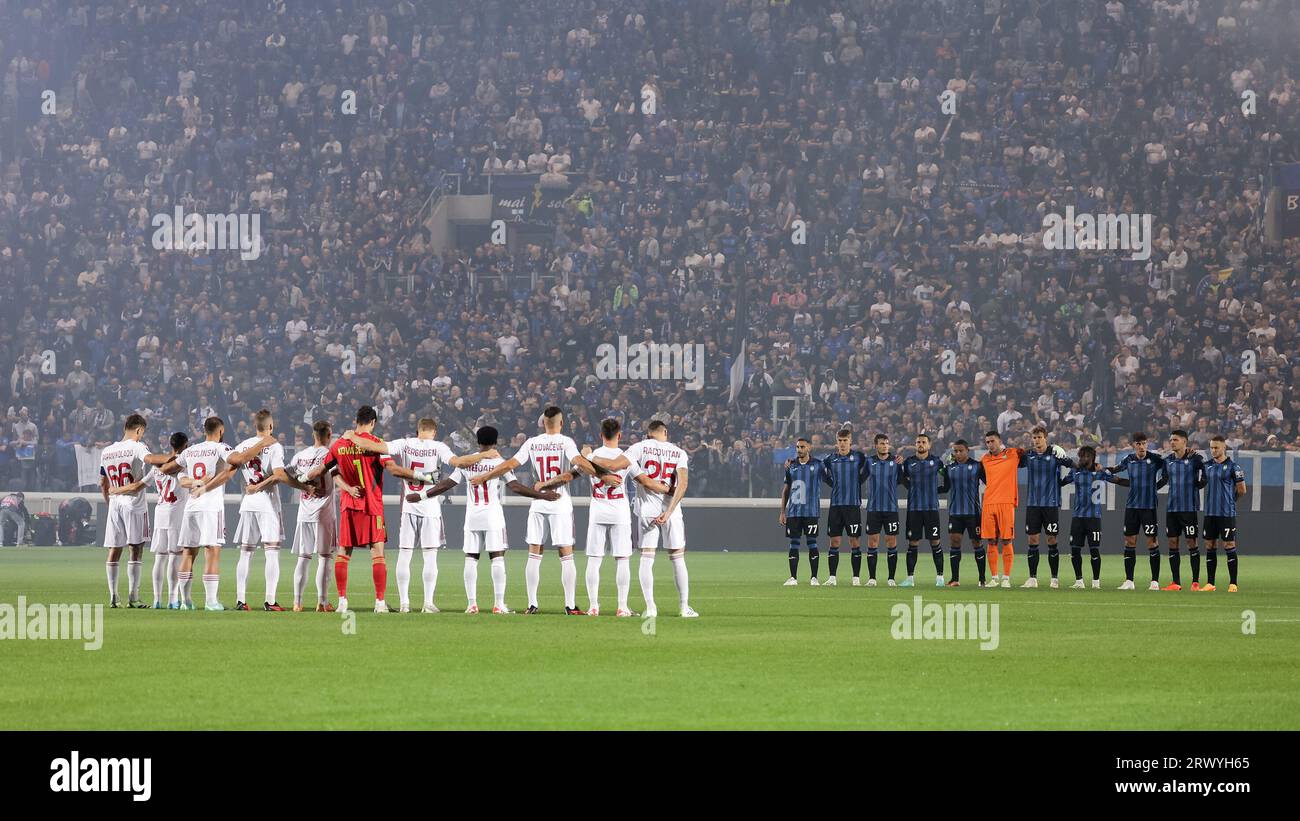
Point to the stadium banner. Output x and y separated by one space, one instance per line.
524 198
1287 179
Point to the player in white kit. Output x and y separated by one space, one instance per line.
609 520
316 533
122 467
659 515
550 455
167 525
485 519
421 519
205 468
261 518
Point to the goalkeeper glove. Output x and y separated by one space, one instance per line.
1058 451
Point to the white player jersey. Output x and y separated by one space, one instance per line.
658 460
421 456
123 463
609 504
305 461
171 499
255 470
483 510
549 455
201 462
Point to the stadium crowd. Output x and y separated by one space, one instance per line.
921 299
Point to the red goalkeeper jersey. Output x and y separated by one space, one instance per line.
362 470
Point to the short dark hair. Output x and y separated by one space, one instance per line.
134 421
992 433
1218 437
487 435
1037 430
321 427
610 427
881 436
552 411
366 414
179 441
1087 452
655 424
1178 432
804 439
211 424
922 433
1138 436
844 433
261 418
961 442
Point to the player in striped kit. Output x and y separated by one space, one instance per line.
925 477
549 454
485 519
167 525
883 474
1184 472
422 519
260 514
845 470
1225 484
1144 470
1043 511
964 477
801 507
205 468
317 529
1089 485
123 465
609 521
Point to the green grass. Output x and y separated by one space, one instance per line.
762 656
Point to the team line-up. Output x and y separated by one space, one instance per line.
990 523
347 473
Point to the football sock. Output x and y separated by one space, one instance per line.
1130 560
980 559
404 556
1230 553
814 558
241 573
871 561
855 559
1054 560
992 553
173 579
471 581
429 574
1008 556
499 582
185 580
1076 561
1033 561
622 580
569 580
272 557
111 569
341 563
683 579
1211 564
134 568
158 574
1194 556
794 562
911 560
647 576
1153 556
210 585
1175 571
1094 556
936 553
593 582
301 567
533 577
891 560
322 578
833 561
379 573
954 563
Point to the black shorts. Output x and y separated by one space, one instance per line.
877 521
965 524
842 518
1042 520
1220 528
922 524
796 526
1140 520
1180 523
1087 530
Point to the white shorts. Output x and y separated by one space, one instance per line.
203 528
559 525
485 541
317 538
616 537
166 540
126 527
671 535
259 528
428 529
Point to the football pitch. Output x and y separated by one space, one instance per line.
761 656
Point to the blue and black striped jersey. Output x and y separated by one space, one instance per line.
1044 471
882 484
964 487
1185 477
804 479
1221 487
845 474
1089 491
1143 475
925 480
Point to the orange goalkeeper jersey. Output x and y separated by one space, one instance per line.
1001 486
